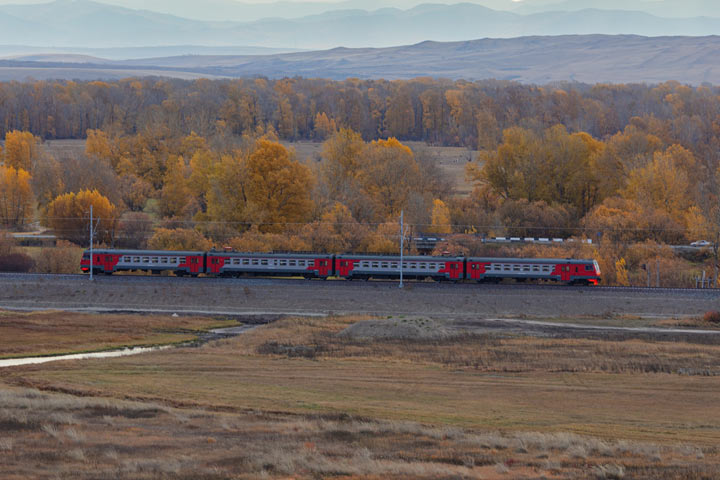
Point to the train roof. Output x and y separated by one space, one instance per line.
529 260
393 258
107 251
220 253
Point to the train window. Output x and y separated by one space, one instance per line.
394 265
136 259
375 265
589 268
246 261
146 260
263 261
384 265
526 268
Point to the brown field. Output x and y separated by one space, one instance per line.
53 333
295 398
452 160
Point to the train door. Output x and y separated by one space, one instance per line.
565 273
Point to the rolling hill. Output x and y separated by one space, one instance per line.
541 60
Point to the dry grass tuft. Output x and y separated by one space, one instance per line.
712 317
609 471
77 454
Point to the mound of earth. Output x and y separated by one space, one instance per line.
397 328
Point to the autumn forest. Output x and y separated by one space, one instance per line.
172 164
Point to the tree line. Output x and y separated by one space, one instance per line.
439 112
178 164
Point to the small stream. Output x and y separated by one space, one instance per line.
216 334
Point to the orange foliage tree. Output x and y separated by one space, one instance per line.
69 216
178 239
16 196
278 187
21 149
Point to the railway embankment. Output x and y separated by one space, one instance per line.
252 297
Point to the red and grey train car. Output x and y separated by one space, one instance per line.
151 261
578 272
380 266
216 263
210 263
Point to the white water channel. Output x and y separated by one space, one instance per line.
16 362
125 352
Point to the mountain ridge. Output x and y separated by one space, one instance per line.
66 23
533 59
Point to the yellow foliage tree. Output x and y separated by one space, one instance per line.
254 240
324 126
278 187
16 196
386 239
389 176
343 153
621 273
226 189
98 145
175 196
440 218
179 239
661 184
21 149
69 216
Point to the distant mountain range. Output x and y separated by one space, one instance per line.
83 23
233 10
540 60
121 53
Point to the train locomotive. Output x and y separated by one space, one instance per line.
349 267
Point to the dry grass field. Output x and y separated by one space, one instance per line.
53 333
451 160
299 399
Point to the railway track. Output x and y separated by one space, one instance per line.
411 284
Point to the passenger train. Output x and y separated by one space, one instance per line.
349 267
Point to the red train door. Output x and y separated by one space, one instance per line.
565 273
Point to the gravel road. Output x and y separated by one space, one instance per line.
266 297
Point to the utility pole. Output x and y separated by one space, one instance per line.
91 242
402 242
657 273
93 228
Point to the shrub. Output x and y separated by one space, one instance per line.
16 263
64 258
712 316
